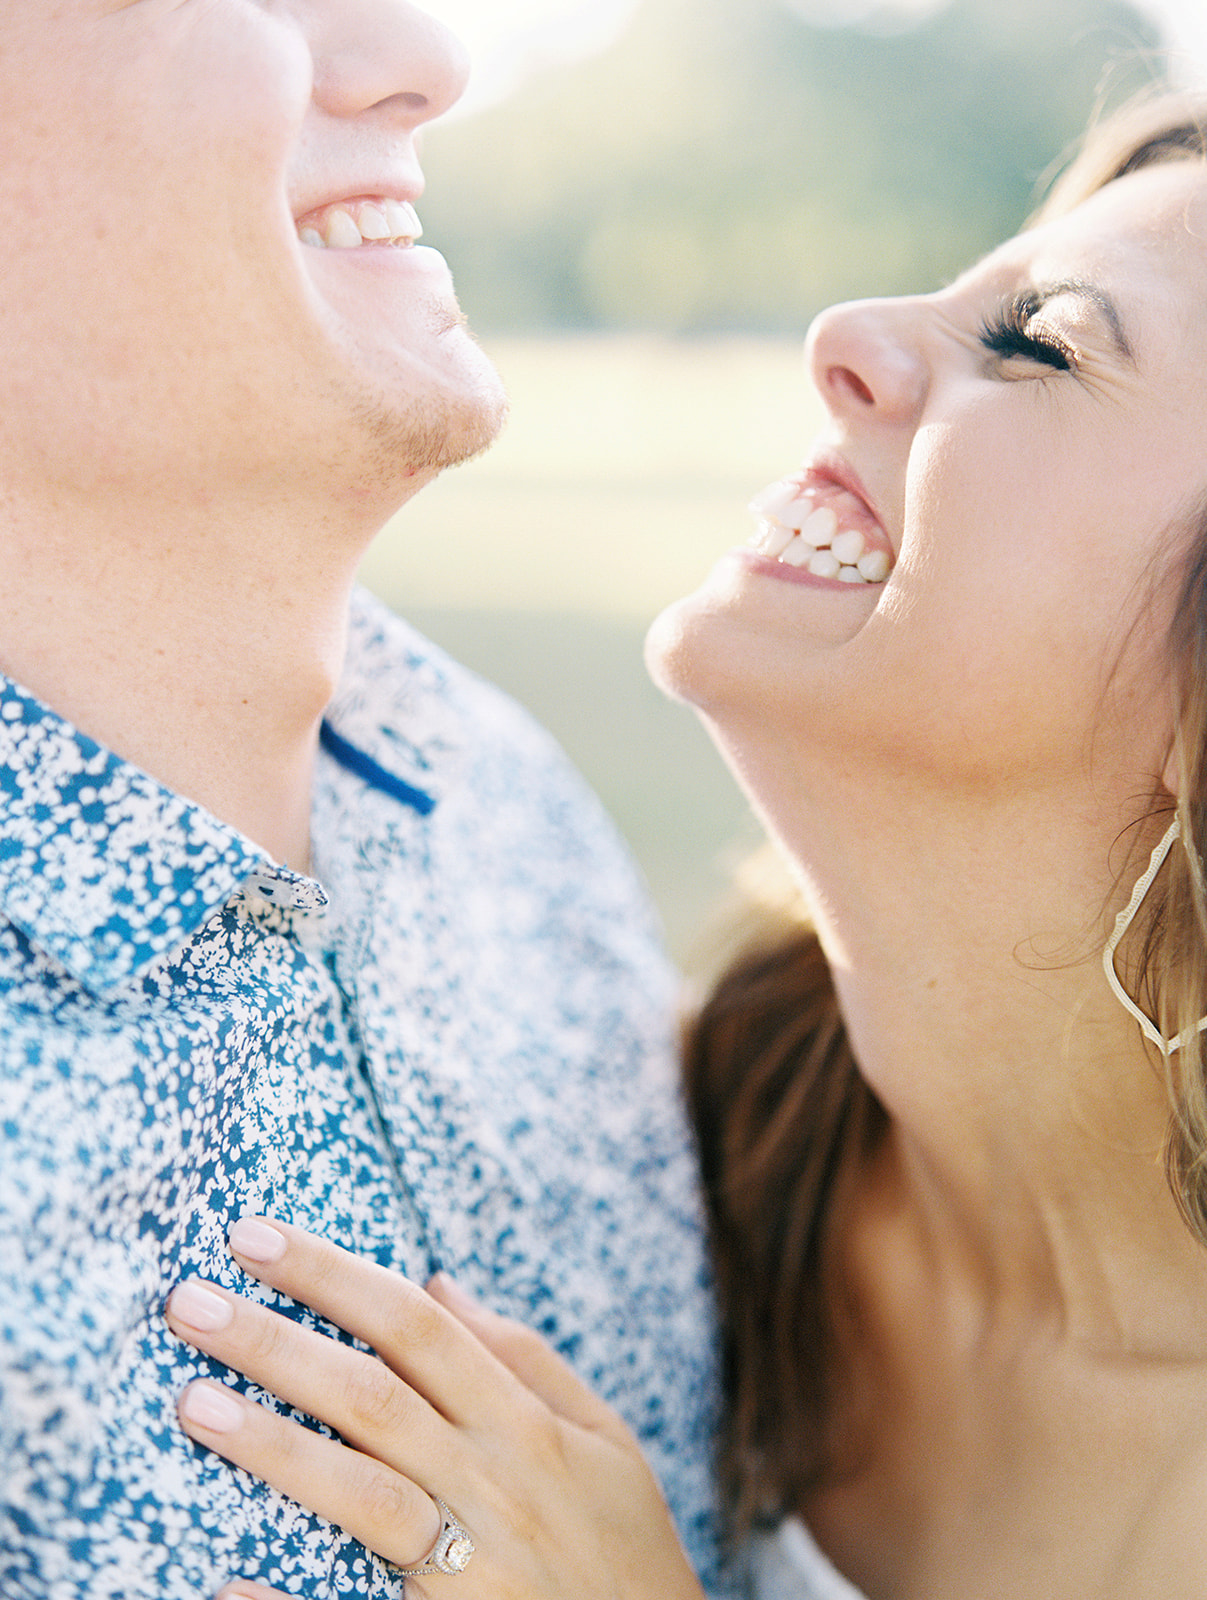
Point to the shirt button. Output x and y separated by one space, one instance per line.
286 890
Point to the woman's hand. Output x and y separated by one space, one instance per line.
463 1404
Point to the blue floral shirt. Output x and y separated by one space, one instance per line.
449 1048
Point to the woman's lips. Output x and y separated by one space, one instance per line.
815 523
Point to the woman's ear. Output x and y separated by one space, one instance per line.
1172 774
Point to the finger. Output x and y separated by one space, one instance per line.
417 1338
537 1366
370 1501
354 1393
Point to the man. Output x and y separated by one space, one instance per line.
295 916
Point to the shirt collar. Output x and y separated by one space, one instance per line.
397 706
108 871
102 867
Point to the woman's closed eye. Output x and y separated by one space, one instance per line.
1012 332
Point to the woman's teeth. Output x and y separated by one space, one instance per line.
797 528
355 222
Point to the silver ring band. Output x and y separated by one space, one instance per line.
452 1550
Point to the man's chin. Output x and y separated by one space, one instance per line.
475 418
462 430
451 423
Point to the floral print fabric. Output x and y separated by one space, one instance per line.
449 1048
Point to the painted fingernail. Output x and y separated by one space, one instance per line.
256 1240
211 1408
200 1308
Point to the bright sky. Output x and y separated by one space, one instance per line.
509 41
1185 22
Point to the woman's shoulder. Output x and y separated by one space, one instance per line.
787 1565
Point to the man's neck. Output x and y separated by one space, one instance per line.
203 649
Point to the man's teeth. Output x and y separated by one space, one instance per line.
353 223
795 529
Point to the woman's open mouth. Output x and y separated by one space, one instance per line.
812 522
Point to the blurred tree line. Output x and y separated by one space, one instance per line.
729 166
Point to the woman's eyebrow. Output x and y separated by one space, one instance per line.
1099 299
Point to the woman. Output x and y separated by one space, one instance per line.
958 1188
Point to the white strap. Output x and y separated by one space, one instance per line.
1124 921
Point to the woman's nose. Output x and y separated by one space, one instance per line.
867 359
384 53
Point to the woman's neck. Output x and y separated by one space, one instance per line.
1028 1118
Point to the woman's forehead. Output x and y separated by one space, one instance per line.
1143 235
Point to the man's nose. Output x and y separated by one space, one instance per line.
384 55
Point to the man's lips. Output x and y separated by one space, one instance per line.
367 220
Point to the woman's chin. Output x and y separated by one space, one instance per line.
695 652
742 635
667 652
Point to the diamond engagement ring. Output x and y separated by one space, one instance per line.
452 1550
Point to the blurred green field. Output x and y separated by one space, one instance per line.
623 474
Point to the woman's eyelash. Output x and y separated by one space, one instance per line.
1009 333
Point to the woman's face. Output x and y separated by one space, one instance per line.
1030 445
